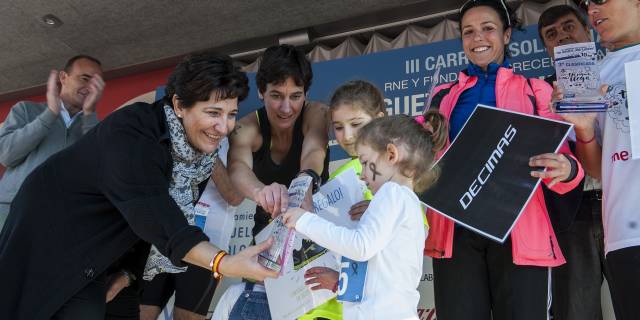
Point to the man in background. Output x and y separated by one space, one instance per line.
33 131
577 220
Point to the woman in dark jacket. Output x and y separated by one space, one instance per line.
133 176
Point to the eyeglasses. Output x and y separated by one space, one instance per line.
504 6
584 4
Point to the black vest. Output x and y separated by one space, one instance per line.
268 172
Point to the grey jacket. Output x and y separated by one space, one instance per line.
30 134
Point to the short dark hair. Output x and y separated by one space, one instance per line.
281 62
551 15
69 65
200 74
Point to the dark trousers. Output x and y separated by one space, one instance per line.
87 304
624 282
125 306
90 303
193 290
481 282
577 284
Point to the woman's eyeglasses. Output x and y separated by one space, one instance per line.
584 4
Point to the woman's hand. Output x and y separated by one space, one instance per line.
321 278
245 263
116 282
584 122
273 198
358 209
557 165
290 218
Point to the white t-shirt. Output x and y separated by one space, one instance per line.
390 235
620 174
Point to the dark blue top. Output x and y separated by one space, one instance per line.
483 92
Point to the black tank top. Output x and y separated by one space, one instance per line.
268 171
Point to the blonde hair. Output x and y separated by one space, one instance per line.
360 94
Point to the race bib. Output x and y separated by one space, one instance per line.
201 211
352 278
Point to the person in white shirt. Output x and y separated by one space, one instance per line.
396 154
618 24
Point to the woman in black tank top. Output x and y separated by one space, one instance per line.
268 171
284 137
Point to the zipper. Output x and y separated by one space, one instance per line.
553 251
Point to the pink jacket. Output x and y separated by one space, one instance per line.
533 241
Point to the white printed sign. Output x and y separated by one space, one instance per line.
578 74
218 224
242 235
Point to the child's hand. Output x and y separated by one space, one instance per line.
291 217
321 278
358 209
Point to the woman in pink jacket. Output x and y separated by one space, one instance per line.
478 278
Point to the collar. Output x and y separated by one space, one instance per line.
158 107
492 68
66 117
503 74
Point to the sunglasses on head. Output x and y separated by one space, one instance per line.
584 4
501 2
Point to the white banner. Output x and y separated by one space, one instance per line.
219 223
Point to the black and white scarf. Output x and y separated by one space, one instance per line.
190 168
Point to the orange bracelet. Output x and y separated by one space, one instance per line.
215 264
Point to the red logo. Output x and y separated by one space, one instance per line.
622 155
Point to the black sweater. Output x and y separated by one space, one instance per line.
83 208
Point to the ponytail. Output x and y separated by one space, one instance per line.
439 128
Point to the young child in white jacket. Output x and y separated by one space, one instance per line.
396 154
